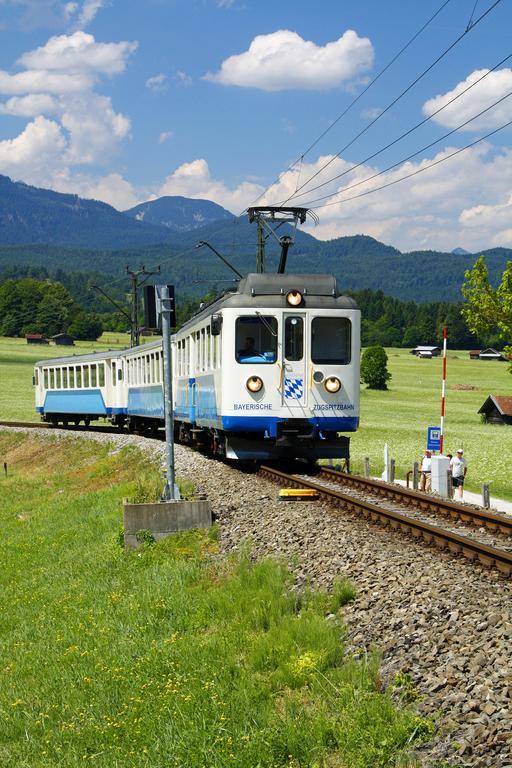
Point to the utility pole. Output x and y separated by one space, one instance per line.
134 277
171 491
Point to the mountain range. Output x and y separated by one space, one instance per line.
39 227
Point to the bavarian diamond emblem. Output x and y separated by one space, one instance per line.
293 389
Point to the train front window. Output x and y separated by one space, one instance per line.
256 339
294 338
330 340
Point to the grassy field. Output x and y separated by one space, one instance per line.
399 416
169 656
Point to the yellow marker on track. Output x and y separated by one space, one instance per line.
298 494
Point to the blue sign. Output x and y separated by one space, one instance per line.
433 438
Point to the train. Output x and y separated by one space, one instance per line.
268 370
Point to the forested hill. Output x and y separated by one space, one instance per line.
76 235
32 215
358 262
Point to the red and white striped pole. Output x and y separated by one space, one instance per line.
443 390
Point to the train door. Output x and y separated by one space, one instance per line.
294 374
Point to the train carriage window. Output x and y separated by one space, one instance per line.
256 339
52 378
120 372
64 378
214 351
57 378
114 376
94 376
86 375
208 348
101 374
330 340
79 377
71 372
294 338
45 377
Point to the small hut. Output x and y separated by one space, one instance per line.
474 354
36 338
491 354
424 351
63 340
497 410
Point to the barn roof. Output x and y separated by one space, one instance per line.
502 402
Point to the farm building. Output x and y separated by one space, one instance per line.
424 351
497 410
491 354
36 338
63 339
474 354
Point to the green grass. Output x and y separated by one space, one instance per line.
401 415
17 359
169 656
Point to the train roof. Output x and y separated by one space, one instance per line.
270 289
88 358
92 357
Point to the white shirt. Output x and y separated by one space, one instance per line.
458 466
426 464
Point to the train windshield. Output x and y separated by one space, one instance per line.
330 340
256 339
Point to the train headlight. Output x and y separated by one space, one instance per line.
332 384
254 384
294 298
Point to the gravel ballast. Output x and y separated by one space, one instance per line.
442 620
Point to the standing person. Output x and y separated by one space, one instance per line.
459 467
425 469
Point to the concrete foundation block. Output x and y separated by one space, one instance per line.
164 519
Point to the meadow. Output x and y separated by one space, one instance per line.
169 656
399 416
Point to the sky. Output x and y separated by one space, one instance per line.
244 102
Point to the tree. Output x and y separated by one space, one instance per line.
85 326
374 371
488 309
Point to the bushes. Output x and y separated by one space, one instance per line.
374 371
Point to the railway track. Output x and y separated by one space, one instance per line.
70 428
480 517
471 548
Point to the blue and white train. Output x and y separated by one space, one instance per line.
269 370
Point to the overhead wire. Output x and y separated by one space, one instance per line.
418 170
397 98
355 100
409 157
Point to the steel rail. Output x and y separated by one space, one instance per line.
69 428
488 556
422 501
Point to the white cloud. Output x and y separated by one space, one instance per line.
194 180
34 81
89 10
157 83
30 106
59 82
371 113
165 136
79 53
481 96
112 188
182 78
39 146
283 60
431 210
